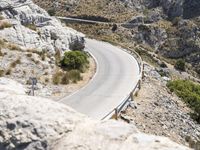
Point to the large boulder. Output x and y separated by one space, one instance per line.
11 86
32 27
29 123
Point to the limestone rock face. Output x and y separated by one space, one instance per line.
11 86
172 8
153 36
32 123
29 123
32 27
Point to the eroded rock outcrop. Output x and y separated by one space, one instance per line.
32 27
35 123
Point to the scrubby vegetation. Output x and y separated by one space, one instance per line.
43 55
14 47
31 26
57 57
180 65
72 63
29 55
51 11
105 10
8 72
75 60
56 79
1 17
69 67
74 76
66 77
15 63
189 92
1 73
5 24
1 54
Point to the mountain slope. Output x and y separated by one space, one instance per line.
108 10
32 44
169 28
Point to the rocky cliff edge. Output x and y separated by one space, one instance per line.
28 123
32 27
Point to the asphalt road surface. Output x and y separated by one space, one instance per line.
116 76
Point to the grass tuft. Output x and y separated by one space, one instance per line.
5 24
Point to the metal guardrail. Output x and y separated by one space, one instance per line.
133 53
116 111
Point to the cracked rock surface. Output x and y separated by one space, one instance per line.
32 27
28 123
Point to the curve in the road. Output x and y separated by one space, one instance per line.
117 74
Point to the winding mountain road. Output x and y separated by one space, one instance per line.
78 20
116 76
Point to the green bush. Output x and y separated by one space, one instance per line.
51 11
163 73
163 65
65 78
31 26
57 78
75 76
189 92
180 65
74 60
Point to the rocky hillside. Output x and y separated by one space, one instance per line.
158 111
163 32
25 24
29 123
32 41
169 28
104 10
32 44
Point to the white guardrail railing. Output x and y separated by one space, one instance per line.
117 111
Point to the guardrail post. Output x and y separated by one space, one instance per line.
143 71
139 84
116 114
132 96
